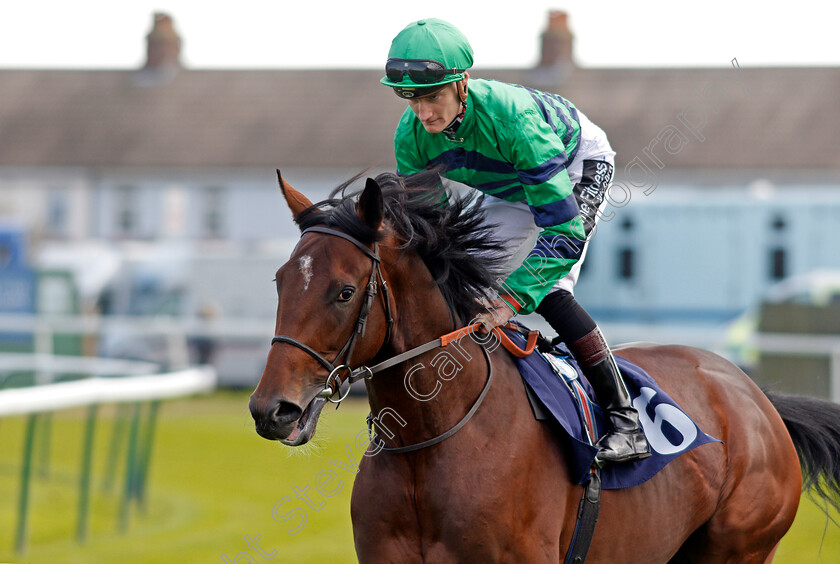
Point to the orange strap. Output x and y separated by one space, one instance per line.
458 333
509 345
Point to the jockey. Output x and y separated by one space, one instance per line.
544 169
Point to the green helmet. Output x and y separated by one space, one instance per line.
426 55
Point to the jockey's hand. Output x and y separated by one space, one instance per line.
498 312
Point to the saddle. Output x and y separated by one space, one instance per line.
560 394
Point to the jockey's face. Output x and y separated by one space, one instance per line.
437 110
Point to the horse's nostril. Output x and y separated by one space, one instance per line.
286 412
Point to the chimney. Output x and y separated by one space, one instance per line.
556 61
163 47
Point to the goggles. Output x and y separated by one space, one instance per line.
419 71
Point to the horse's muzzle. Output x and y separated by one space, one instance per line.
275 419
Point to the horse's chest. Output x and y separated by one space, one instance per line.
455 513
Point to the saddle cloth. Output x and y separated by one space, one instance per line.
559 392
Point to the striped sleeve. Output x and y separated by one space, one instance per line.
540 159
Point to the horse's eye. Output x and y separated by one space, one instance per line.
346 294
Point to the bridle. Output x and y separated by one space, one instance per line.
340 363
333 383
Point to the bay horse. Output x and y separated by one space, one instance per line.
385 271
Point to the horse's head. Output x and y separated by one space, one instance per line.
322 294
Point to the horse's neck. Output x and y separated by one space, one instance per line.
430 393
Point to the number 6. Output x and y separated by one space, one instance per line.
653 427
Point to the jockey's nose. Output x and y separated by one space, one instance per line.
423 109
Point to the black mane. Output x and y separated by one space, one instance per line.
451 238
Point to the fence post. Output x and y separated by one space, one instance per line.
117 432
146 455
44 445
25 475
84 475
130 470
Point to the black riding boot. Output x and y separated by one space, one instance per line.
625 441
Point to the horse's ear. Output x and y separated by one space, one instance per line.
296 201
370 204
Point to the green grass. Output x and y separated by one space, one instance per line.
214 481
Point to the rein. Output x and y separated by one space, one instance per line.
380 444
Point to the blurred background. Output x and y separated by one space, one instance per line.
140 221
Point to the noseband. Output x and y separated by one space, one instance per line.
333 383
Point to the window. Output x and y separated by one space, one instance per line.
626 264
126 210
57 213
6 254
213 207
778 264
